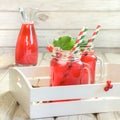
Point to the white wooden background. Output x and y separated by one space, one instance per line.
63 17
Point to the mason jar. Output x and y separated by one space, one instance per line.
67 69
88 56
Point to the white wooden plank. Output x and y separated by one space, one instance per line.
10 20
108 50
43 119
6 58
53 5
117 115
108 116
46 59
78 117
75 108
4 80
40 57
112 72
64 20
113 57
72 92
6 61
105 38
7 106
19 114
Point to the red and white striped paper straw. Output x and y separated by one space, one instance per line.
90 41
78 41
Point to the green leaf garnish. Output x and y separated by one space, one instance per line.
64 42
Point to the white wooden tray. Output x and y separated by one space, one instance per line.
36 101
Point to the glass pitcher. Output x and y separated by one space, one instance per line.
26 52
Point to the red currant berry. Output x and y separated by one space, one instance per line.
111 86
58 54
108 82
49 48
106 88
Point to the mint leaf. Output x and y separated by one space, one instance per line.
55 43
64 42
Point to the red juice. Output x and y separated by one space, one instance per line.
65 72
26 47
90 59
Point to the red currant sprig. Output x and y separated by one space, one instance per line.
49 48
108 85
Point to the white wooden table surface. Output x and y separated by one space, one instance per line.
10 110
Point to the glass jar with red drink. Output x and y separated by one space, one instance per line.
27 46
26 52
88 56
66 69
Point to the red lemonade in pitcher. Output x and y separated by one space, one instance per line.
26 46
26 52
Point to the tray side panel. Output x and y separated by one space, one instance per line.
20 89
75 107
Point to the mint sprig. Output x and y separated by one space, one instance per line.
64 42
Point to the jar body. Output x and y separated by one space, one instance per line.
89 58
26 52
65 71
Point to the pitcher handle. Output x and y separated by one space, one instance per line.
87 67
101 67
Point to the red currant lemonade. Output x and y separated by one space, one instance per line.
90 59
27 47
66 71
